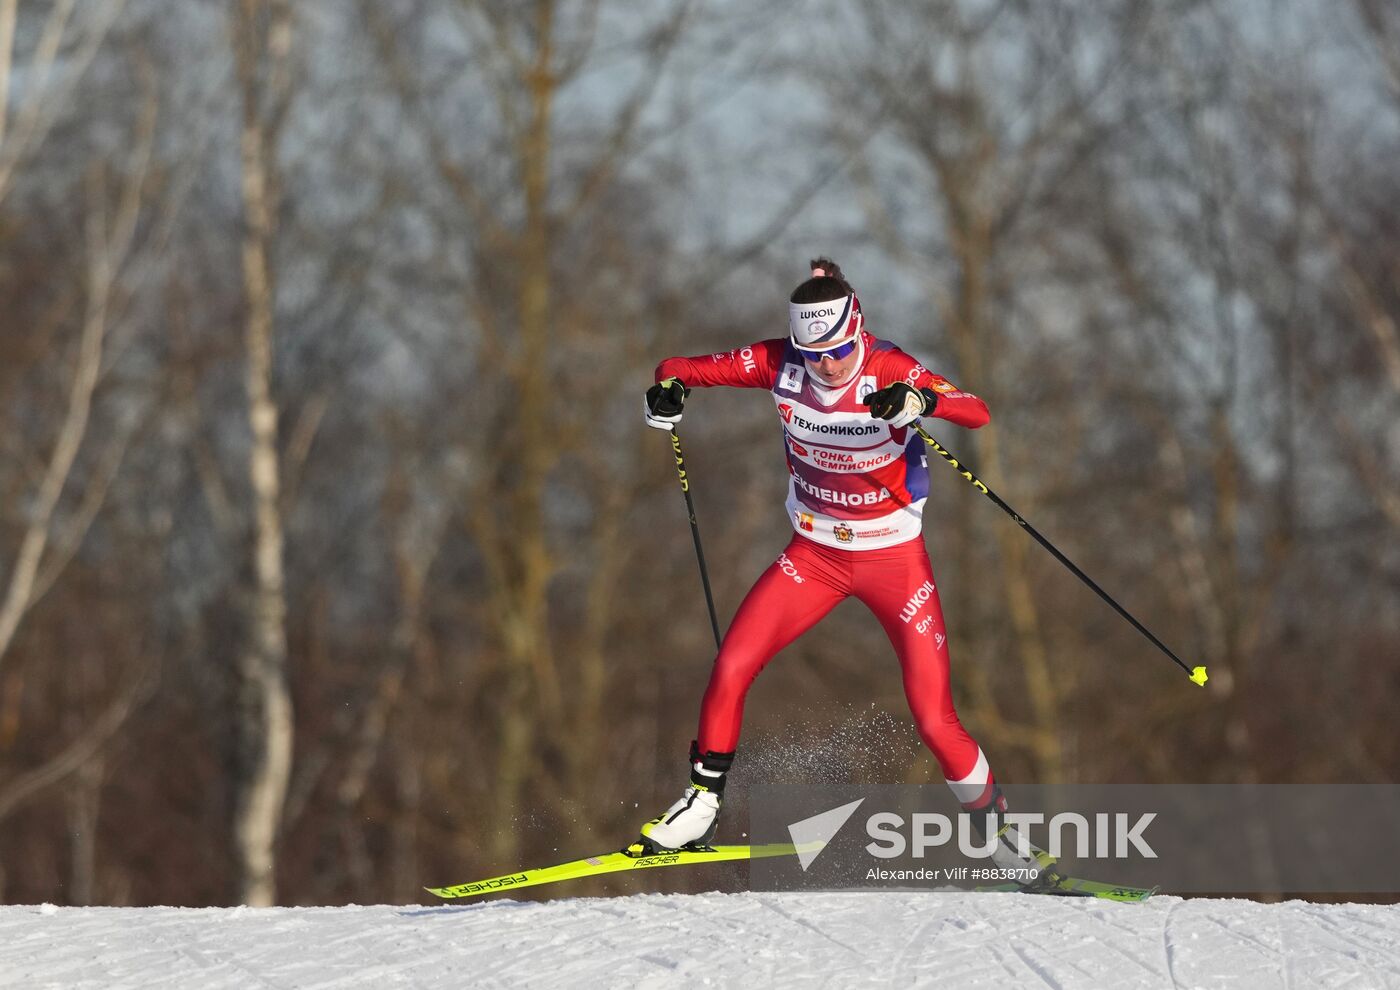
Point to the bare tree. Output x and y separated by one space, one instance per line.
109 246
114 259
526 305
262 42
50 88
996 156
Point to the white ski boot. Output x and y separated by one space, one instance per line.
691 822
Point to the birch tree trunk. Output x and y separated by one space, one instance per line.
265 717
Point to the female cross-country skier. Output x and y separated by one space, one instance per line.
856 491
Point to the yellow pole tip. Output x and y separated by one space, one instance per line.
1199 676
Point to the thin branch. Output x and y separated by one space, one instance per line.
19 595
40 112
82 749
299 441
8 11
94 496
458 179
1386 40
619 141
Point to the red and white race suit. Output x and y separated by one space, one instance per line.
856 494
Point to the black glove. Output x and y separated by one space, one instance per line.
665 400
901 403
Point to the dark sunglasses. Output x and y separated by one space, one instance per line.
835 353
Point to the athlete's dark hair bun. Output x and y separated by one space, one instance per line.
830 284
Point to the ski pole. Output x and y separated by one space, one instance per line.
1197 674
695 532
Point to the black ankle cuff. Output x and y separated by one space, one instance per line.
715 764
986 816
714 785
711 761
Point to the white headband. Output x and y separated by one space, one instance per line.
823 325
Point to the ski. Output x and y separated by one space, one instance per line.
1064 886
612 862
1077 887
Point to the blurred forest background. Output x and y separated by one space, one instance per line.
335 558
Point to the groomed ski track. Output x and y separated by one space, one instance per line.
751 940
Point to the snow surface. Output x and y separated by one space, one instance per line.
754 940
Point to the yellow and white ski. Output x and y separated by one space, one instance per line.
613 862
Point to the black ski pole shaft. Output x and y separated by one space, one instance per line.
1198 674
695 533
